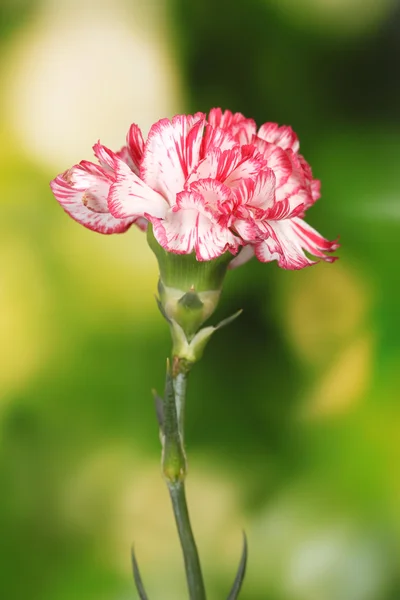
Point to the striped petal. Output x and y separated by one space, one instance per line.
284 136
288 241
254 200
217 164
215 137
276 158
130 197
135 147
171 152
215 193
82 192
192 226
241 128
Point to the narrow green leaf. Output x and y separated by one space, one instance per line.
237 584
137 578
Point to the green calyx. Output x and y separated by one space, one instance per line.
189 290
185 272
190 309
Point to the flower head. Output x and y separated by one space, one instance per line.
209 186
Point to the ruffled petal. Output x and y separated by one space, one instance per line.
130 154
171 152
191 226
249 166
287 241
255 199
276 159
105 156
316 189
296 193
215 193
258 193
217 164
224 119
215 137
130 197
135 147
229 166
283 136
241 128
247 229
82 192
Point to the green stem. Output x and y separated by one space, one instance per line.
190 554
180 383
174 468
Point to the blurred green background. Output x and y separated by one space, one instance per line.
293 416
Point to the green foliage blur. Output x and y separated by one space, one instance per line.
293 415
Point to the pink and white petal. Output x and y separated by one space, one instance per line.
124 155
276 158
283 136
171 153
267 251
245 131
88 206
214 193
290 207
296 191
247 230
245 254
287 241
313 241
215 137
244 192
177 232
304 166
191 226
228 161
283 246
213 240
130 197
238 125
142 223
105 156
223 119
291 199
135 147
206 168
247 169
315 189
87 177
263 196
86 173
216 165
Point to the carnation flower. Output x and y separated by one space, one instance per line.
209 186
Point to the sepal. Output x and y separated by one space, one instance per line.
190 308
189 351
